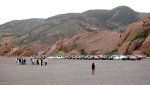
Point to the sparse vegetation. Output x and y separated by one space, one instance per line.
111 52
142 35
61 53
20 42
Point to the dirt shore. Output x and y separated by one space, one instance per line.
75 72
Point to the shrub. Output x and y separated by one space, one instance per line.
142 35
61 53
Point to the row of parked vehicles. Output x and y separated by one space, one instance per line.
100 57
122 57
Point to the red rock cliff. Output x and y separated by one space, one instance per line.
136 39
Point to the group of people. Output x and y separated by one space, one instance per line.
39 61
34 61
21 61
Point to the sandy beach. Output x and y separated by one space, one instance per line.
75 72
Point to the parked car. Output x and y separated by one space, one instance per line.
119 57
135 58
59 57
90 57
113 57
140 56
66 57
70 57
116 58
50 57
97 57
85 57
74 57
80 57
105 57
127 57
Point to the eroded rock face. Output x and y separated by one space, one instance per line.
134 45
74 52
124 48
138 52
146 22
102 41
131 32
5 47
145 48
138 35
31 49
98 42
68 46
55 48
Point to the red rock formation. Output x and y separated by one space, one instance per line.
27 53
138 52
134 45
69 46
146 22
89 41
5 47
99 40
56 47
145 48
138 35
17 53
74 52
124 48
31 49
135 40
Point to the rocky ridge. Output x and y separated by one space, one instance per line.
135 40
90 32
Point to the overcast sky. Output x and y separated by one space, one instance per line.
25 9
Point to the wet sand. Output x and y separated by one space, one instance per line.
75 72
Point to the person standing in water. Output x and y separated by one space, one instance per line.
93 68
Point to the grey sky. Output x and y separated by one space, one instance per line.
24 9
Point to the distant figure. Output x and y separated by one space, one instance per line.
46 60
24 61
41 61
17 60
33 61
93 68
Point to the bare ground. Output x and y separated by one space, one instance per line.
75 72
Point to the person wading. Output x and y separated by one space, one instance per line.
93 68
